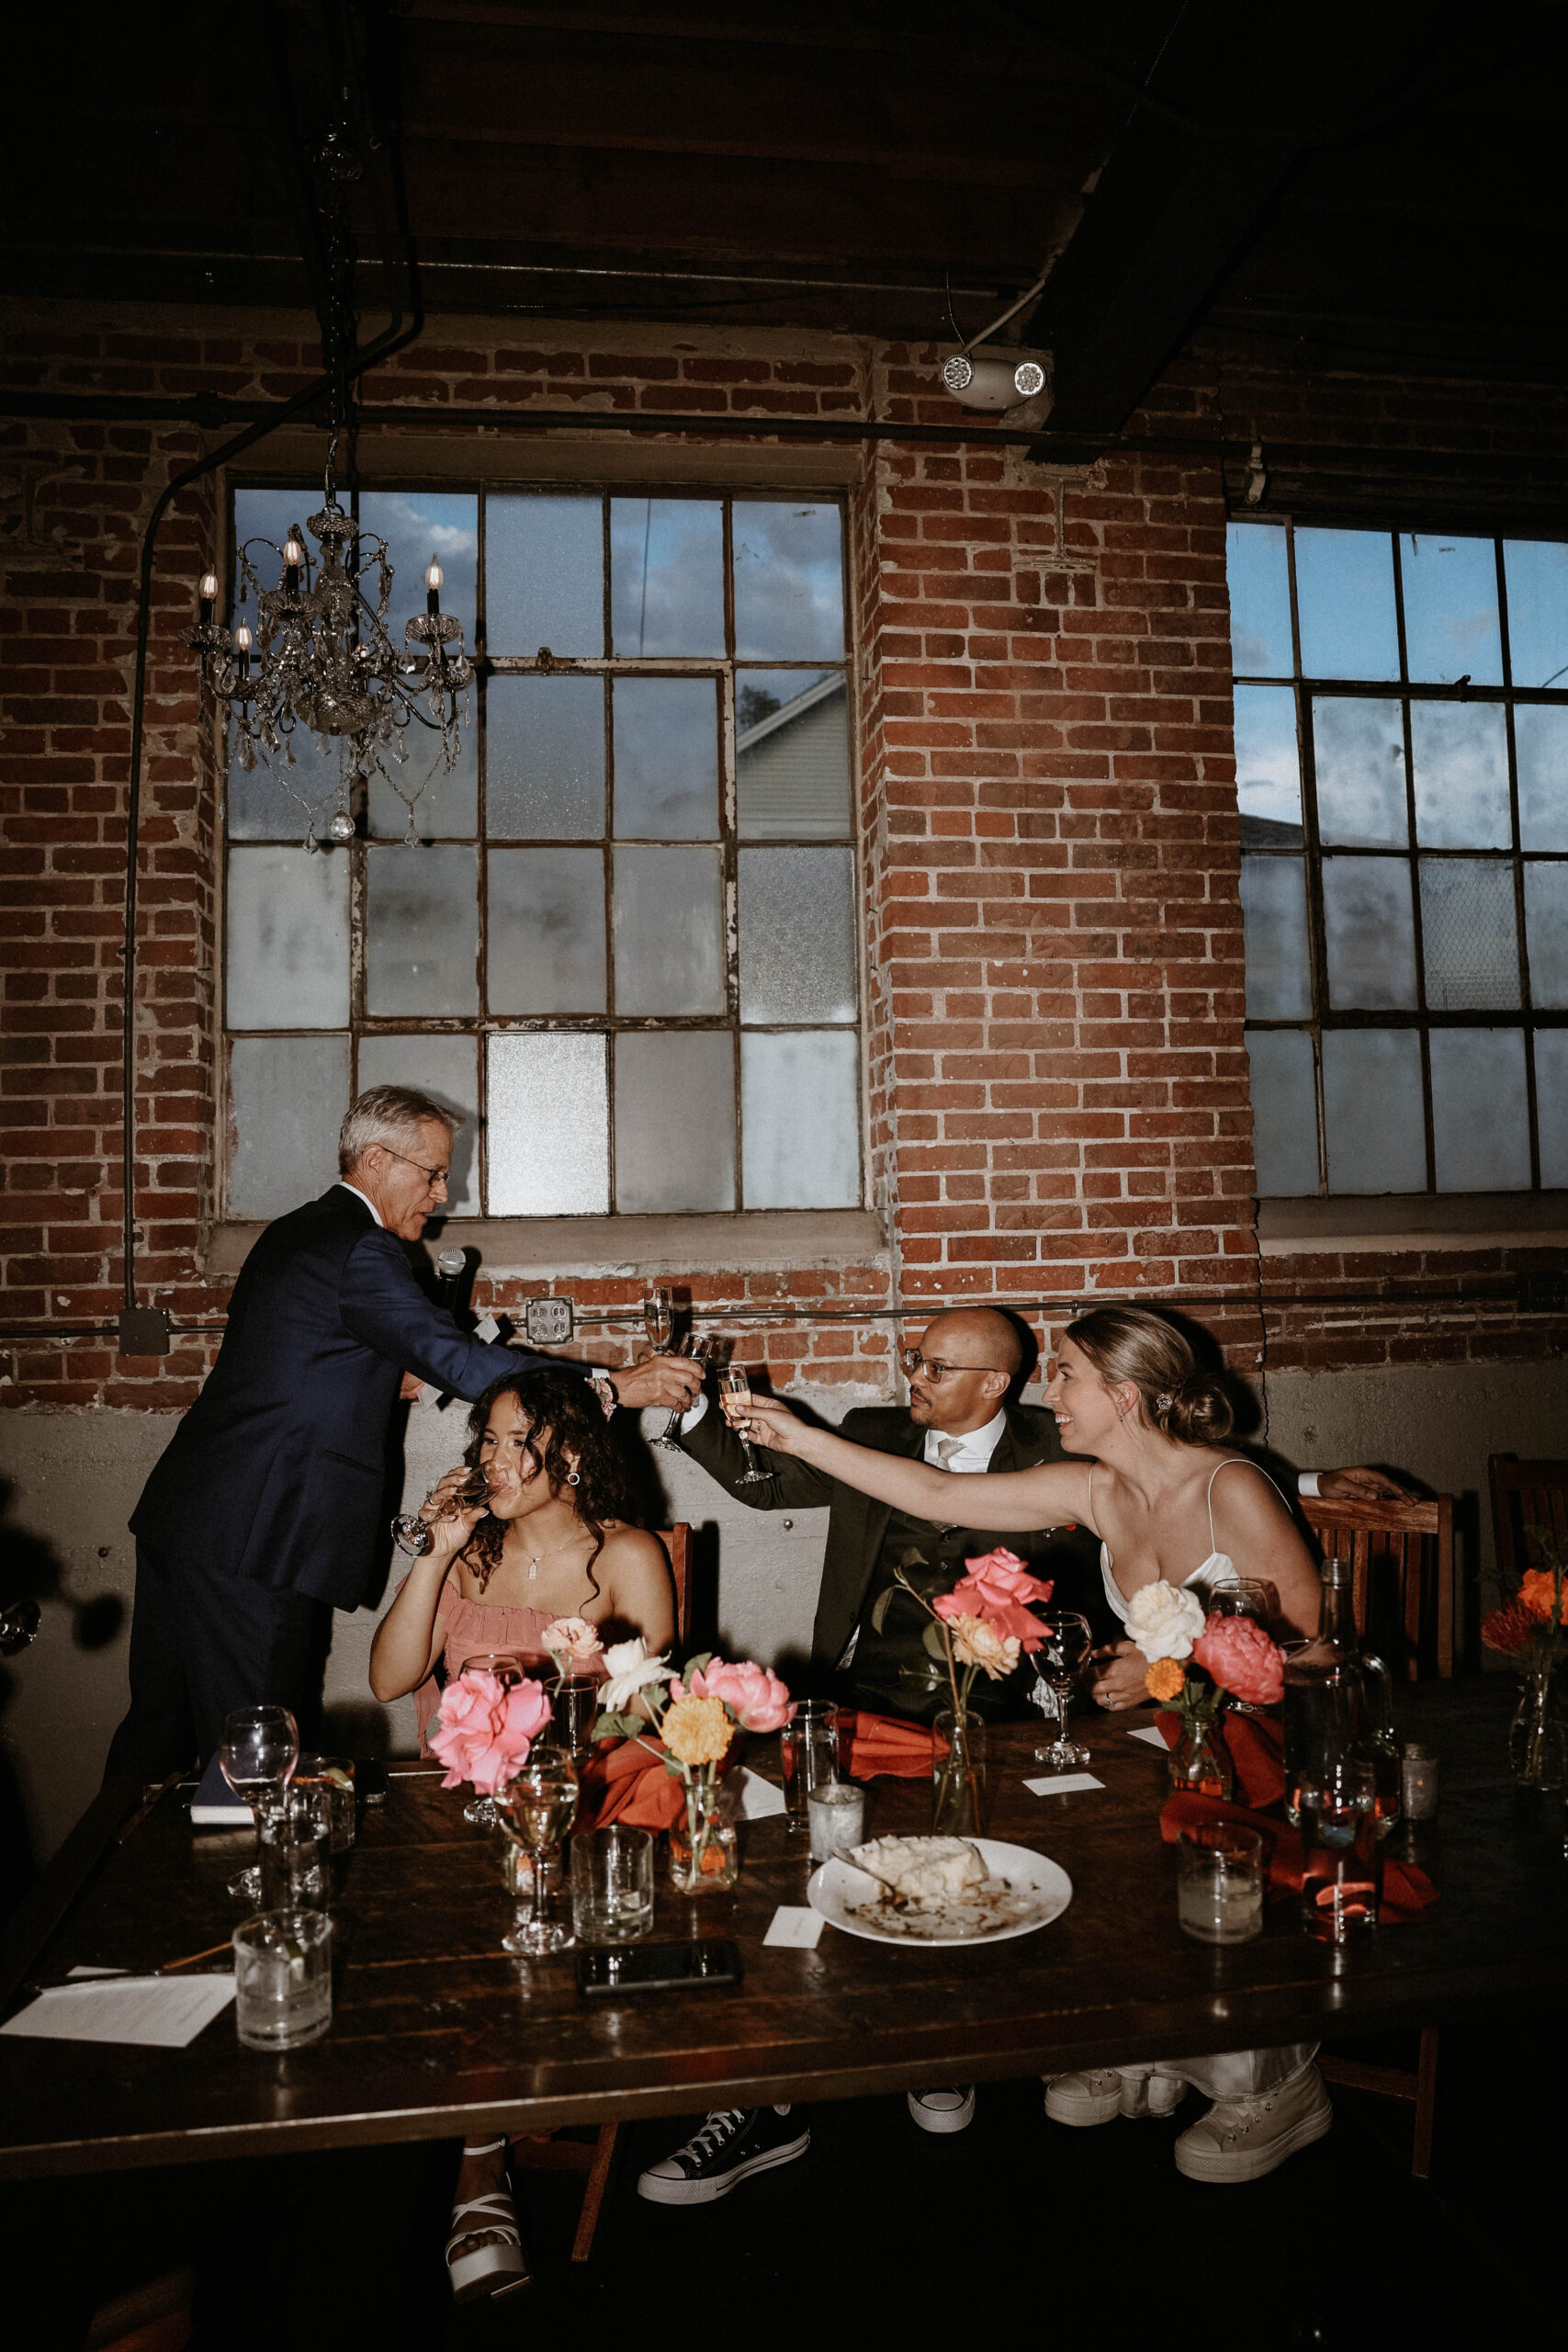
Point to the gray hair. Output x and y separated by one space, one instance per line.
388 1114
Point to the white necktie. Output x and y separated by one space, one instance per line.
946 1447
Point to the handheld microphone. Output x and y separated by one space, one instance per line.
452 1265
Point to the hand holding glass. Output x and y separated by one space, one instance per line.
411 1529
735 1391
701 1352
537 1808
257 1754
1058 1662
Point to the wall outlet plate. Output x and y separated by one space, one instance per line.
547 1321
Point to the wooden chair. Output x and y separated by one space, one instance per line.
596 2157
1402 1557
1526 1495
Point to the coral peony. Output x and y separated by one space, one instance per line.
1242 1659
1165 1679
1535 1594
1164 1619
573 1638
696 1731
754 1694
995 1587
484 1732
976 1642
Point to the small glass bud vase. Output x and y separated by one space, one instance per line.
960 1783
1199 1763
703 1854
1538 1736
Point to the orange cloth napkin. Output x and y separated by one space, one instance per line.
622 1781
1257 1745
883 1743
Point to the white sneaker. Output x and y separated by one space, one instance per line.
947 2111
1151 2095
1241 2139
1094 2097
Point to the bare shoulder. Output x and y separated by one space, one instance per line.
633 1549
1245 1495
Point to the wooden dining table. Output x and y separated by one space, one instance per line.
437 2034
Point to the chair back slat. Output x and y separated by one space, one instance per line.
1526 1495
1402 1563
677 1542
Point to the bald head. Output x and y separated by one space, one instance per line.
979 1334
977 1351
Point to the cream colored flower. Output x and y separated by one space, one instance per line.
1164 1619
697 1731
628 1669
977 1643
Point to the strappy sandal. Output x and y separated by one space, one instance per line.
497 2268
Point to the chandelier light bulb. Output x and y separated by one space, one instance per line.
208 590
434 575
242 637
292 551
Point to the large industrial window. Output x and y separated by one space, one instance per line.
623 937
1402 762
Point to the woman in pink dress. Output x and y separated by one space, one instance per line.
553 1539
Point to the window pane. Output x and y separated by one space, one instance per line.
1284 1110
666 758
1546 933
1540 748
287 1100
547 1127
792 755
797 935
1345 598
800 1120
669 931
416 526
1273 900
1480 1125
1460 752
1551 1104
421 931
1267 767
287 945
446 1068
1537 574
1371 1108
674 1122
789 581
1468 934
1369 932
1450 608
544 759
545 931
262 805
1359 754
666 575
544 574
1258 577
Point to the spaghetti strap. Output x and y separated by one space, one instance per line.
1214 1473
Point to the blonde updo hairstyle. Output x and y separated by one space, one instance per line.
1180 1399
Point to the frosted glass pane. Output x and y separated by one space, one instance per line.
1273 900
421 931
789 581
1468 934
544 759
1551 1104
1546 933
417 525
1359 753
1258 577
1479 1124
1267 767
547 1127
666 575
288 938
797 935
674 1122
287 1100
668 931
1371 1108
1284 1110
446 1068
1369 932
1345 599
1460 752
545 932
666 734
1450 608
1540 750
544 574
1537 574
792 755
800 1120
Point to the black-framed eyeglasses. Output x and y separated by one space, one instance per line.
913 1360
433 1176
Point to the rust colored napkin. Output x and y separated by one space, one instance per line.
883 1744
1407 1891
1257 1744
624 1783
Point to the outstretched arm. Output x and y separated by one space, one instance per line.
1055 1495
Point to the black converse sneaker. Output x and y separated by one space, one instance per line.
734 2143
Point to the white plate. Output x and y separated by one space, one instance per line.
844 1896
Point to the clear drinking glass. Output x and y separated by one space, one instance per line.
336 1775
508 1671
808 1756
1219 1895
701 1352
410 1530
836 1815
257 1754
296 1847
283 1979
573 1708
535 1808
1058 1662
612 1884
737 1395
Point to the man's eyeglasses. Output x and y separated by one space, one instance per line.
433 1176
913 1360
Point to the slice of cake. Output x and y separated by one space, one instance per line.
923 1870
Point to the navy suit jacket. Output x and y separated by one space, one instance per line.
277 1473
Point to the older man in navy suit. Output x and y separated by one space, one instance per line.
262 1514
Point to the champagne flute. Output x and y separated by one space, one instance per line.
508 1671
535 1808
701 1352
658 1319
1058 1662
257 1755
412 1531
737 1388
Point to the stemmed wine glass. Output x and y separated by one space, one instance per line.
658 1319
508 1671
411 1531
535 1808
257 1754
737 1387
700 1352
1058 1662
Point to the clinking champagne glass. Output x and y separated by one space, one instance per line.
1058 1662
257 1755
658 1318
701 1352
737 1389
535 1808
508 1671
411 1529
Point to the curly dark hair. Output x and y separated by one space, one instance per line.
563 1406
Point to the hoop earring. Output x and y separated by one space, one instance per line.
572 1479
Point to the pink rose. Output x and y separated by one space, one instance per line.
995 1589
754 1694
571 1637
484 1732
1242 1659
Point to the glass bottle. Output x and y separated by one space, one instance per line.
1325 1709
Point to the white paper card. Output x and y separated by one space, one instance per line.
167 2011
1061 1784
487 1330
760 1798
796 1924
75 1973
1149 1735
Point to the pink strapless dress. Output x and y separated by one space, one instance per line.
474 1626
